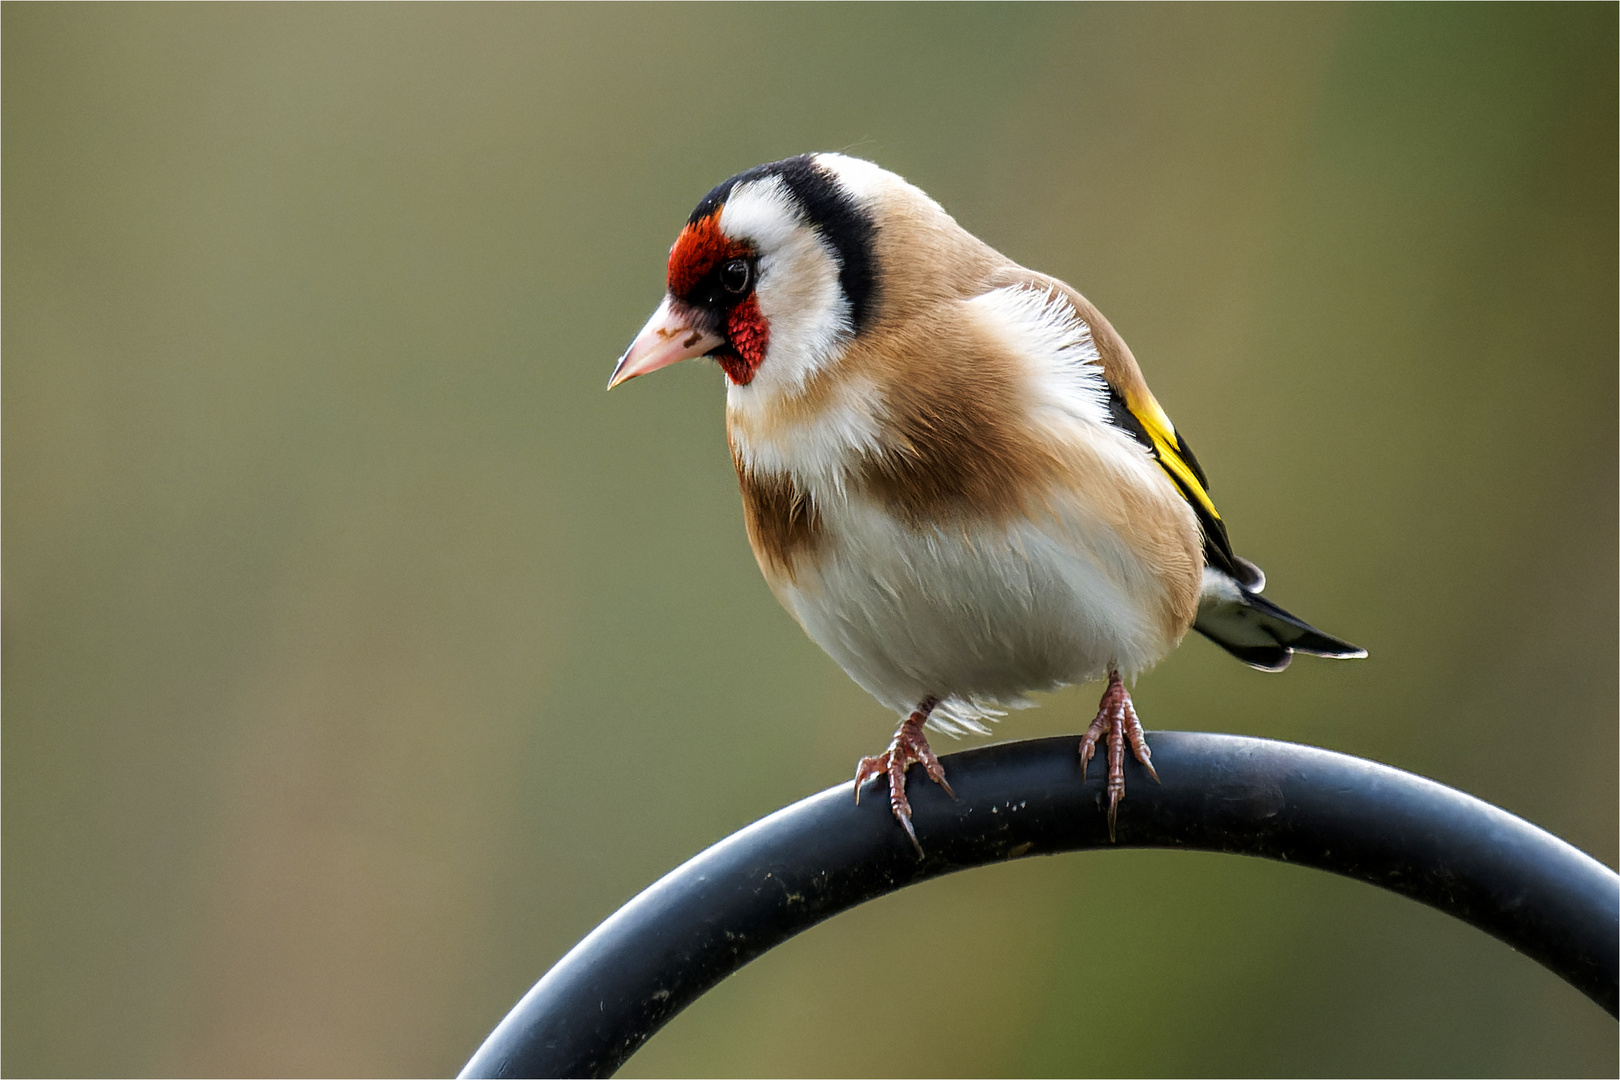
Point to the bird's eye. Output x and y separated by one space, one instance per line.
737 276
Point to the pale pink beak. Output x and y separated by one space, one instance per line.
668 338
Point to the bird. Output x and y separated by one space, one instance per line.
953 473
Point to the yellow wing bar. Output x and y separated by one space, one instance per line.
1171 451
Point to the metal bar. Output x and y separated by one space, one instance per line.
821 855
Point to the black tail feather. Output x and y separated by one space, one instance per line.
1258 632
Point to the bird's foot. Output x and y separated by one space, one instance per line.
1116 716
909 747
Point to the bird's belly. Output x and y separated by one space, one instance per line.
979 612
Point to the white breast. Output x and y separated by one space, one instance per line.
978 615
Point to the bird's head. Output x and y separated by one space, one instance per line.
772 275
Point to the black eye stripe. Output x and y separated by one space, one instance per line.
831 211
725 284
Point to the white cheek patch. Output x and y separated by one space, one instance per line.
798 291
760 212
1054 342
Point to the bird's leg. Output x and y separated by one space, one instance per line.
908 747
1117 717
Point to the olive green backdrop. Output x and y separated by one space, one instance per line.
361 654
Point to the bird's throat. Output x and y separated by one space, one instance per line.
747 335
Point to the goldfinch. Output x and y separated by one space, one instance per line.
953 474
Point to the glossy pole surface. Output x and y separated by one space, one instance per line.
811 860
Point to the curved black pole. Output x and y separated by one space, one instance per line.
811 860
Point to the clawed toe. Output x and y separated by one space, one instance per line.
1116 718
909 747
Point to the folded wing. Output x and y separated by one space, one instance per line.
1231 612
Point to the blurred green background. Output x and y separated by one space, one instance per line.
361 654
